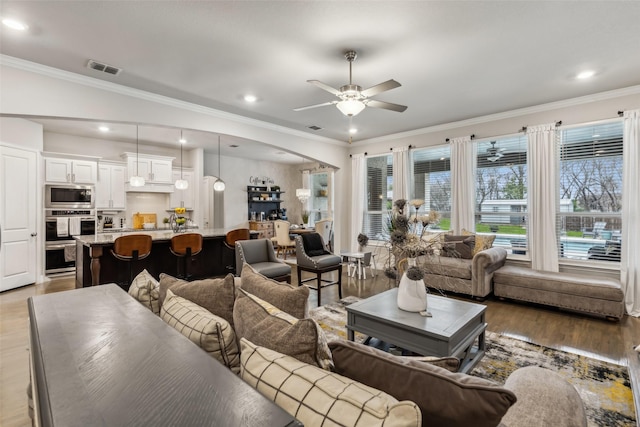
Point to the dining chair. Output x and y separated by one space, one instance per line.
283 242
312 256
324 227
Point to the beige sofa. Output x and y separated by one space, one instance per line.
472 277
288 360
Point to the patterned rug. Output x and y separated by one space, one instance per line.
604 387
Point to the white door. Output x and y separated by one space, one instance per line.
17 217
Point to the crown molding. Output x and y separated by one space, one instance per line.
59 74
571 102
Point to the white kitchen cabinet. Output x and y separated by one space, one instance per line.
182 198
110 188
70 171
154 169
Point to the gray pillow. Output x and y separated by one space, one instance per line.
288 298
446 399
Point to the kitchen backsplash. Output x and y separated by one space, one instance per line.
157 203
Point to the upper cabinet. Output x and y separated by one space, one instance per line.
183 198
110 188
154 169
71 171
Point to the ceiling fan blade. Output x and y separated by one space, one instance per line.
315 106
324 86
382 87
386 105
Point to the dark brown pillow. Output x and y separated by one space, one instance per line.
458 246
215 295
446 399
288 298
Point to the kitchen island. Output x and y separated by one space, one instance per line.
96 265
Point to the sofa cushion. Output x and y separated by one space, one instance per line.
146 290
458 246
216 295
447 266
320 398
445 399
267 326
483 241
288 298
210 332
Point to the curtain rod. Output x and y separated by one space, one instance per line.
473 136
351 155
620 113
410 147
524 128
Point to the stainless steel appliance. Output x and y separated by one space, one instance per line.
64 196
60 227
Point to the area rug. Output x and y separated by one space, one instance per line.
604 387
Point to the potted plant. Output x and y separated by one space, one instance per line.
165 221
305 217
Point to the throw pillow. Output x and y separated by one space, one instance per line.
216 295
312 243
266 326
145 289
288 298
483 241
458 246
211 333
320 398
446 399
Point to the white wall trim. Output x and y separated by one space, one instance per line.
571 102
56 73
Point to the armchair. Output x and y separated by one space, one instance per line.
259 254
313 257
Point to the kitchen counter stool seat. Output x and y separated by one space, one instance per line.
184 246
131 248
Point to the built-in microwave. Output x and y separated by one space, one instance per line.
62 196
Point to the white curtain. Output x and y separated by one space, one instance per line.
358 169
463 184
543 195
401 173
630 260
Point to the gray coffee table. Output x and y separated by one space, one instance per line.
456 328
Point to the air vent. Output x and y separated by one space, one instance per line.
98 66
314 127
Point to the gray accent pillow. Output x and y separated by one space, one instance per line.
446 399
216 295
288 298
266 326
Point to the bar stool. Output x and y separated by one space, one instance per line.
131 248
184 246
230 242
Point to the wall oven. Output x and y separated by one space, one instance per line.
60 247
63 196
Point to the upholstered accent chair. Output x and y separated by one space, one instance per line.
324 227
259 254
312 256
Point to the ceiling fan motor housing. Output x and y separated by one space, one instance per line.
351 92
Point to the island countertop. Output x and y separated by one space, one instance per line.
96 265
106 238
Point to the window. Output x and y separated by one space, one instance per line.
379 193
501 191
590 191
431 182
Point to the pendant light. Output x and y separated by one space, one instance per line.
181 184
219 185
137 180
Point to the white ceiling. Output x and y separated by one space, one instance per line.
455 60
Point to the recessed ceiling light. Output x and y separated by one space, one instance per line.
15 24
586 74
182 141
353 131
104 129
250 98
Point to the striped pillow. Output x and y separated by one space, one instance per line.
211 333
321 398
145 289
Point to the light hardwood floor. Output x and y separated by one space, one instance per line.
593 337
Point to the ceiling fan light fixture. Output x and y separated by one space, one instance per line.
350 107
493 158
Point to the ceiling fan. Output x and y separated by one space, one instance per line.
352 99
494 153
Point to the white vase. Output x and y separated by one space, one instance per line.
412 294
